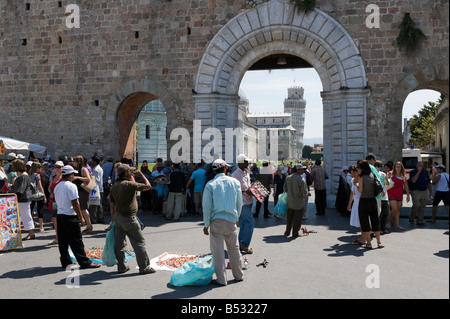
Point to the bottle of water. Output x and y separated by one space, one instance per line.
245 263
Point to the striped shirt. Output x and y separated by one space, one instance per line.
222 198
320 175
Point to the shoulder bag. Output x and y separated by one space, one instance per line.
88 187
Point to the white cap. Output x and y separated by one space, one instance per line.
242 158
219 163
12 156
66 170
29 163
59 163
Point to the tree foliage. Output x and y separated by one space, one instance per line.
307 150
409 36
421 126
306 6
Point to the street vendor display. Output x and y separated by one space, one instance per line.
259 191
171 261
10 235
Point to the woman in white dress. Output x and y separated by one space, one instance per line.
354 198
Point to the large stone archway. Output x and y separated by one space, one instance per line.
124 107
275 27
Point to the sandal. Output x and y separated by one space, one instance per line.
380 245
88 229
358 242
367 246
29 237
53 242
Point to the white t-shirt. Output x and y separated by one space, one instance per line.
65 192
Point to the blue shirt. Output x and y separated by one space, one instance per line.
199 179
222 198
422 181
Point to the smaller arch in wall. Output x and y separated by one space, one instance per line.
124 107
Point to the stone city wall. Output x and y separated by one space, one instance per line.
62 87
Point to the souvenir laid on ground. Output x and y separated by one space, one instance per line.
95 255
170 261
10 235
259 191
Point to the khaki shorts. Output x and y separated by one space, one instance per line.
198 197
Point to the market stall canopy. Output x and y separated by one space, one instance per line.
8 145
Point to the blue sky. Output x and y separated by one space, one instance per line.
266 92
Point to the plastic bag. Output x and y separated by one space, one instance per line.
109 256
281 209
197 273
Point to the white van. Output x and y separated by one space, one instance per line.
410 157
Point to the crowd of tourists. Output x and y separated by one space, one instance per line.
77 189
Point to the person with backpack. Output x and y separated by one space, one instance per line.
22 188
441 180
39 199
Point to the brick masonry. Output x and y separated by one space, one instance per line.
65 87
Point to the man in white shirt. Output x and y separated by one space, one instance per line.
68 220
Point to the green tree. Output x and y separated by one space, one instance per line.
421 126
307 150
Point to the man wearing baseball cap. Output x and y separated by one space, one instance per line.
222 204
69 217
124 208
246 220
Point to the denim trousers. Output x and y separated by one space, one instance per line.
246 225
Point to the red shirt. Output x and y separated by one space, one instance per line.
396 192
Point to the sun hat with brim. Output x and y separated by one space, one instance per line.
67 170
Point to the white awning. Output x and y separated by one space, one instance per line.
16 146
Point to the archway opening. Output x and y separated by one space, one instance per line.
424 128
141 118
285 99
151 132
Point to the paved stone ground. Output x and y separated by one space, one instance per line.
414 263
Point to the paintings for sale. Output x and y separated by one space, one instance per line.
10 236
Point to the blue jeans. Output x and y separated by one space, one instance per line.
246 226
